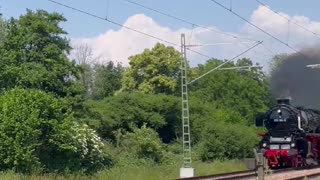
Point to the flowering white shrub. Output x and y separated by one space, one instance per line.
86 140
82 144
38 133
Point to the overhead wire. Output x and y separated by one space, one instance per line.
268 49
107 10
186 21
191 35
294 22
115 23
237 38
128 28
217 67
152 36
259 28
219 44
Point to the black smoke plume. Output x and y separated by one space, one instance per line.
294 80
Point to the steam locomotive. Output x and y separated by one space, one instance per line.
293 135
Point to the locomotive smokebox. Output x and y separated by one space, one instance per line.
284 101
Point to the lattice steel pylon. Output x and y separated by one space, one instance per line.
185 107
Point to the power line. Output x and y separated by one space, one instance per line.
225 62
239 16
268 49
294 22
219 44
199 53
190 37
195 25
107 10
185 21
143 33
127 27
115 23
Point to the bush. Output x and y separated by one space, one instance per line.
127 110
79 148
144 143
39 133
226 141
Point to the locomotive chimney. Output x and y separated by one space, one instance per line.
284 101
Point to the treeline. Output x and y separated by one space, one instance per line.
68 115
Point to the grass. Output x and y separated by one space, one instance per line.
138 173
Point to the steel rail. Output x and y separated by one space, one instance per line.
226 176
303 177
253 174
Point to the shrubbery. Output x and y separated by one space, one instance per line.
39 133
216 133
51 129
226 141
127 110
144 143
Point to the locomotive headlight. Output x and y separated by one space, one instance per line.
293 144
264 145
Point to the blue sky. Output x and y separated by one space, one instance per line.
202 12
113 43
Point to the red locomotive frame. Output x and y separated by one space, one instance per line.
278 158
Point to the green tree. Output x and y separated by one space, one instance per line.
243 92
39 133
2 30
125 111
107 80
34 55
153 71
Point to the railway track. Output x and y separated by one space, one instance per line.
269 175
297 174
308 177
225 176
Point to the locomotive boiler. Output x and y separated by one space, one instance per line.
293 135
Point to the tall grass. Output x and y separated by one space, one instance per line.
137 172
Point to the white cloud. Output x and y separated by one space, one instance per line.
278 26
119 45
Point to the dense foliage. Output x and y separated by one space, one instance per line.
107 79
143 143
2 30
129 110
33 55
57 115
226 141
39 133
153 71
243 92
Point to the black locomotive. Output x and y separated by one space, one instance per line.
293 134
